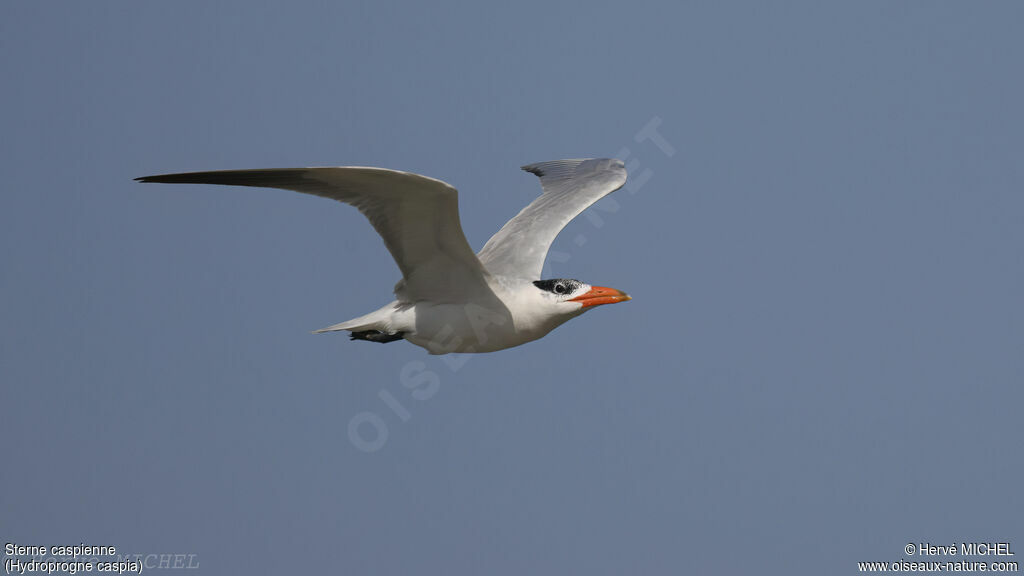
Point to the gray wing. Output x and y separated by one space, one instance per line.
418 218
570 186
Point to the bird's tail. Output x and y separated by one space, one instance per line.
336 327
378 320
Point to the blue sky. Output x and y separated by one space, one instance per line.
822 361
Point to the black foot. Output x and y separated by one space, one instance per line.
376 336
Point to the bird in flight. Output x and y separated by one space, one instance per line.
450 299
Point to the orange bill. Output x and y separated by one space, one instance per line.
600 295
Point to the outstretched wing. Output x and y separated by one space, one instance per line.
418 218
570 186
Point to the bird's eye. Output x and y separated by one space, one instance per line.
559 288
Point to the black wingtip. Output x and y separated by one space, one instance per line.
166 178
533 169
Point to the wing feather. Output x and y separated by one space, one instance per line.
417 216
570 186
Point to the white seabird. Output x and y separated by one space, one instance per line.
450 299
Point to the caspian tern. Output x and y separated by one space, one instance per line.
450 299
